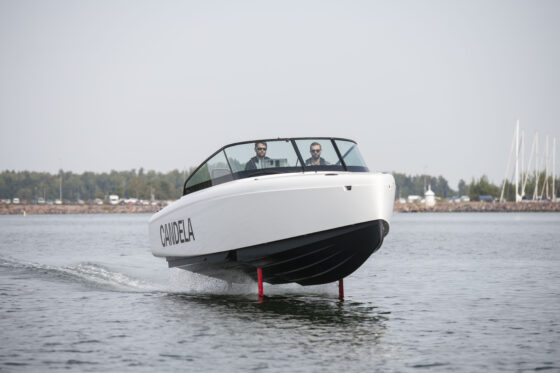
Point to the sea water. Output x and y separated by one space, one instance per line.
446 292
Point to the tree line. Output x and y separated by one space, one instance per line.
417 184
542 183
30 185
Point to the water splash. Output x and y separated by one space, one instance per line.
103 276
178 281
181 281
89 273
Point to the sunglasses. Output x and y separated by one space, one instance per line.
315 150
261 148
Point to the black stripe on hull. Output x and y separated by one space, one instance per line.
312 259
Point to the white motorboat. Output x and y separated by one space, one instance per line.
303 210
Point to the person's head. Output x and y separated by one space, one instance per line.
315 150
260 149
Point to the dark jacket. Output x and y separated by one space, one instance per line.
322 162
252 164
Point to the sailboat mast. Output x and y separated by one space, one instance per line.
517 162
554 169
546 169
535 192
522 163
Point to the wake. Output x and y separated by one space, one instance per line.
174 280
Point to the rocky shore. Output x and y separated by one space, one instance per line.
408 207
75 209
481 207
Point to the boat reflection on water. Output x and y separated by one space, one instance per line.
340 320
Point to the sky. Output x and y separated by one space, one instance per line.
430 87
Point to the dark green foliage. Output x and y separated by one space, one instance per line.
140 184
483 187
417 185
127 184
529 180
462 188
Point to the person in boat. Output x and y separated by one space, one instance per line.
260 159
316 160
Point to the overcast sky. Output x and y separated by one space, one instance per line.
423 86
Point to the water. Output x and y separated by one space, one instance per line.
463 292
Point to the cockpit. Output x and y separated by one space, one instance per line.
275 156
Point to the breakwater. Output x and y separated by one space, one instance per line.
75 209
481 207
398 207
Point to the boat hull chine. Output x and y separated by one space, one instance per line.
311 259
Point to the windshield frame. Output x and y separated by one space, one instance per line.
278 170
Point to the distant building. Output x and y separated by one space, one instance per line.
430 197
113 199
486 198
413 198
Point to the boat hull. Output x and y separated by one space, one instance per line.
312 259
309 228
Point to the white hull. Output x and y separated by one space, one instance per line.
259 210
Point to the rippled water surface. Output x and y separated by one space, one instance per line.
463 292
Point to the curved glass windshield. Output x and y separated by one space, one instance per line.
265 157
213 172
350 155
319 154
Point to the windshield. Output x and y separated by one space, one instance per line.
212 172
319 154
263 157
350 155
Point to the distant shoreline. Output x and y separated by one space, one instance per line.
75 209
405 208
480 207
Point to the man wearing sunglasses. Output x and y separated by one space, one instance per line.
316 159
260 159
